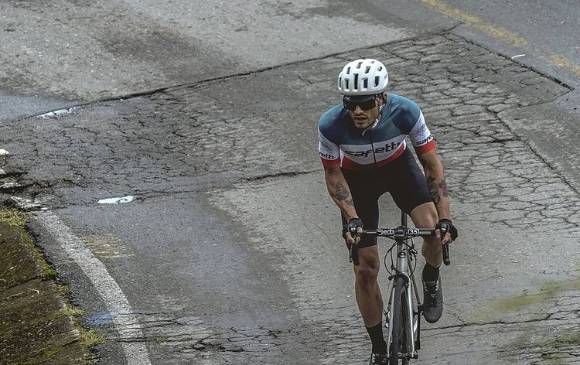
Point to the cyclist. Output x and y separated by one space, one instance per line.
364 154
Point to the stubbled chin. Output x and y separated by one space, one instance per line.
360 124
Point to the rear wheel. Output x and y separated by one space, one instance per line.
398 337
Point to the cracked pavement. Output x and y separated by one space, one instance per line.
245 146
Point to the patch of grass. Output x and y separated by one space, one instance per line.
63 290
89 338
73 311
549 290
51 352
552 350
14 217
45 356
54 317
513 304
569 339
47 272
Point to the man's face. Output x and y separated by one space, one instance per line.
363 110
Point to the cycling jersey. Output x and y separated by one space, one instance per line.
340 143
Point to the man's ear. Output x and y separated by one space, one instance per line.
382 100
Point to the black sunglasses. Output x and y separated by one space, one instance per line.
364 105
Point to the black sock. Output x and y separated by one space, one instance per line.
377 339
430 273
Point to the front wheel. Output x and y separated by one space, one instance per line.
398 343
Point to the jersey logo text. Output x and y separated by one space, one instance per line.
387 148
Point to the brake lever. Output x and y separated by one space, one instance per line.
446 259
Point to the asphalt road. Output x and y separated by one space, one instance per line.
230 252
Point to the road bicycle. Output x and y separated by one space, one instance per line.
404 309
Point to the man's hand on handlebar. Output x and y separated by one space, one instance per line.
446 231
352 231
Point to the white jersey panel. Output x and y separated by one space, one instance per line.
327 149
363 154
420 134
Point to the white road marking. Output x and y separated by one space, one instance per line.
117 304
518 56
124 199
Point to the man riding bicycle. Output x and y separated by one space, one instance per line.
363 150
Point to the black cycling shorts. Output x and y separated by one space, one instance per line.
402 178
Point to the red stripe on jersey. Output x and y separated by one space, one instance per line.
330 163
429 146
351 165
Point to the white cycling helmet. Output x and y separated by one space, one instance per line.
363 77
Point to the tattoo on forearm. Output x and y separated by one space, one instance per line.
438 189
341 193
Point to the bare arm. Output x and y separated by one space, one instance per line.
436 182
339 191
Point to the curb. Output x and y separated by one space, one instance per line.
37 325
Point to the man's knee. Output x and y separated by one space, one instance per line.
425 215
366 273
368 268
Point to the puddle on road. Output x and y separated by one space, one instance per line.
120 200
57 113
99 319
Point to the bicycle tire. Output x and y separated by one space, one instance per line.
398 335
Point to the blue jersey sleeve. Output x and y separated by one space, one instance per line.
410 114
412 123
328 136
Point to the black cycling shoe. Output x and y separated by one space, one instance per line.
379 359
432 300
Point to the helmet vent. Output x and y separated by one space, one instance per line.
362 77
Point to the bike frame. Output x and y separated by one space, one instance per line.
402 268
